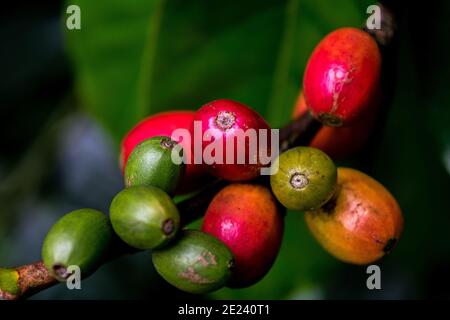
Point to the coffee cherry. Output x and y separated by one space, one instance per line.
341 142
80 238
223 118
144 217
150 164
163 124
246 218
342 76
361 223
196 262
306 178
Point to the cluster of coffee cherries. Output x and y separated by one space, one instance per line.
350 214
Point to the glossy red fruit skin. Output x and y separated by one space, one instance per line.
163 124
341 142
342 76
246 218
243 117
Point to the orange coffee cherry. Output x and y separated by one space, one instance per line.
361 224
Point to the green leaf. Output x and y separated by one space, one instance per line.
114 57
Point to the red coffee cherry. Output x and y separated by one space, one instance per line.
246 218
342 142
223 118
163 124
342 76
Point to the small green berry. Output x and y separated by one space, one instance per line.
305 180
150 164
80 238
196 262
144 217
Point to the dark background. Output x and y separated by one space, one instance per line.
67 98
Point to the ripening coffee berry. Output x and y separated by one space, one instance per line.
246 218
341 142
195 262
151 164
305 178
144 217
80 238
361 223
163 124
226 121
342 76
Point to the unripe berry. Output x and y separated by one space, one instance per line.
342 76
246 218
361 223
151 164
80 238
224 119
305 178
163 124
195 262
144 217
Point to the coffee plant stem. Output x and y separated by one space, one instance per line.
24 281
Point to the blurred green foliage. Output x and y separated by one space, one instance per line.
142 57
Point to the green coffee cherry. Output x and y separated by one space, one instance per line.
196 262
305 180
144 217
150 164
80 238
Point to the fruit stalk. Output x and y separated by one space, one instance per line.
387 40
299 132
24 281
